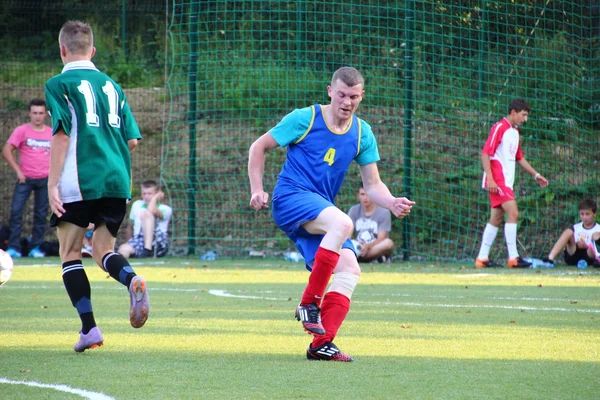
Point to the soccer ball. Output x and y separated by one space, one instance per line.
6 267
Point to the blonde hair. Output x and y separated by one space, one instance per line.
77 37
349 76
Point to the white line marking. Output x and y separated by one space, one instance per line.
225 293
441 296
120 288
558 272
479 306
86 394
57 264
433 296
37 266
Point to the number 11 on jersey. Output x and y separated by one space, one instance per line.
91 115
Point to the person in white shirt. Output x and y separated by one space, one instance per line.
502 151
148 225
576 242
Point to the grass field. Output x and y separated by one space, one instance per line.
225 330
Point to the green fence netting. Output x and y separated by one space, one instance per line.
438 75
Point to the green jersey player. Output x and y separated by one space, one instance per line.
93 132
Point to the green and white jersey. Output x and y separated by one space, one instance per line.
93 111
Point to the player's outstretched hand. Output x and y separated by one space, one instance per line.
56 204
543 182
259 200
401 207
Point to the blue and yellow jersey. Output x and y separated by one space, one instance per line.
318 158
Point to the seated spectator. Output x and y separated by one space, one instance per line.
148 225
372 225
577 241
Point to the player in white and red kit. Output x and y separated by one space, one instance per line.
501 152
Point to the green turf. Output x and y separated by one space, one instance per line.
417 331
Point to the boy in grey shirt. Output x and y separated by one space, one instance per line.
372 225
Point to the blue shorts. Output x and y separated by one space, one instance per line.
292 209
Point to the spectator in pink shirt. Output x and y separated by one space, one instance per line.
32 140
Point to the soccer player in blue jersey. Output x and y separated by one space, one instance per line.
322 141
93 132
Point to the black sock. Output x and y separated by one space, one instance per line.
118 267
78 287
87 322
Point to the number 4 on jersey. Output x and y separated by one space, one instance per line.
329 156
91 116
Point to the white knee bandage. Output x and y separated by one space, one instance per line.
344 283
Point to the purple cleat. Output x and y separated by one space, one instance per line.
139 303
91 340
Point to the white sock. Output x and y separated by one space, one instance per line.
489 235
510 233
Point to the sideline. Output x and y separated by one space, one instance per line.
226 293
57 264
86 394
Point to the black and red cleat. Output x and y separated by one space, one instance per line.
327 352
310 316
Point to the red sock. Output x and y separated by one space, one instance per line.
333 313
325 262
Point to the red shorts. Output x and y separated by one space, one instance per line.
503 195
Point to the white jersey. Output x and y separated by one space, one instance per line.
135 215
504 149
582 233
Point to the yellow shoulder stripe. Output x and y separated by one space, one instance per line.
359 135
312 121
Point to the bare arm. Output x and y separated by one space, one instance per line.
543 182
380 194
153 204
58 152
9 156
381 236
132 144
256 167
